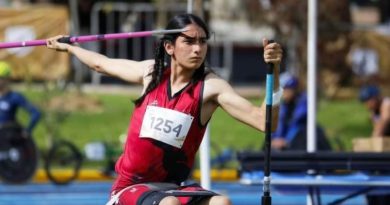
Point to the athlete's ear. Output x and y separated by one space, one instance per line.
169 48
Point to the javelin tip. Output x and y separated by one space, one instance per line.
162 32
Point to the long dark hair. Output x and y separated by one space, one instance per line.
177 22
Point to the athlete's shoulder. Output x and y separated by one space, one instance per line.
215 80
215 85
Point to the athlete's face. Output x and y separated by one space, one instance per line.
190 48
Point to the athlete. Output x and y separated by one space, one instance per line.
170 117
11 101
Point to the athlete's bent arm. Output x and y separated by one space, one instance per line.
127 70
238 107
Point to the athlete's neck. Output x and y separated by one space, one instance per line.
180 77
178 82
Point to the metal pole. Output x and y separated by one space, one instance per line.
78 66
312 75
190 6
74 17
199 10
205 177
311 81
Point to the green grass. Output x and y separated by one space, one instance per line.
82 127
342 120
227 132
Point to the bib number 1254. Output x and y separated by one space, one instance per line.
166 125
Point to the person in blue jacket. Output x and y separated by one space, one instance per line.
11 101
291 131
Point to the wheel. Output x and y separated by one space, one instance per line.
63 163
18 156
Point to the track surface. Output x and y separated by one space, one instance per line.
85 193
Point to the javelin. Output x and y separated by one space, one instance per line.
266 198
89 38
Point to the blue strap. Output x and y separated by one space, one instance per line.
269 88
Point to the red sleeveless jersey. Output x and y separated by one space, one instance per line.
149 160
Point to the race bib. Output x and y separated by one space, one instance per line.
165 125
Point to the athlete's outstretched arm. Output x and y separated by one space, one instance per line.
127 70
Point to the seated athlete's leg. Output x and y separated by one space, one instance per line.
155 196
149 194
216 200
170 200
136 194
205 198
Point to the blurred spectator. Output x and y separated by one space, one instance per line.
291 131
11 101
379 108
364 61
